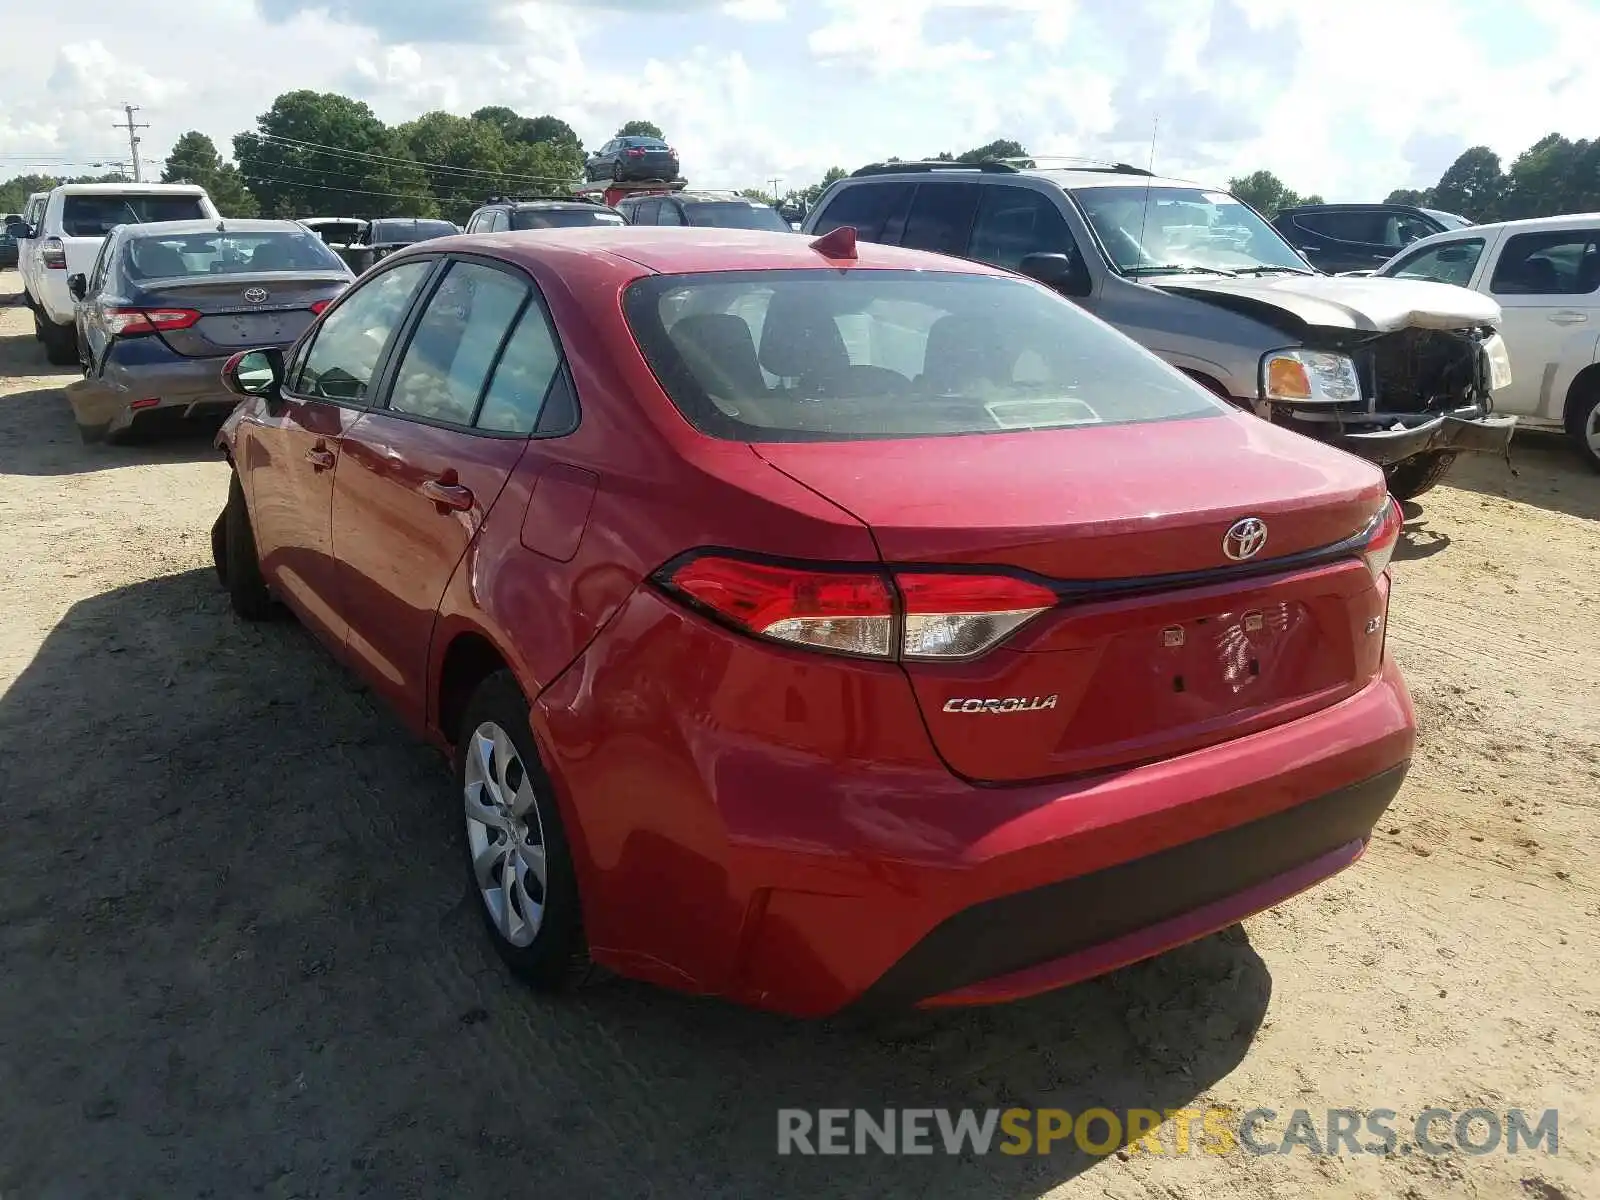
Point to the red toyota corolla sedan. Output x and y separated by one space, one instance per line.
817 630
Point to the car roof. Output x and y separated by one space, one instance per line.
674 251
131 189
240 225
1527 225
1068 178
1355 205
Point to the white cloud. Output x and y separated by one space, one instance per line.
755 10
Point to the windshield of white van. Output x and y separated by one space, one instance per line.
1180 230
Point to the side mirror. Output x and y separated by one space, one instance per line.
78 285
254 373
1064 272
19 230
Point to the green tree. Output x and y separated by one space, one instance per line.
194 159
810 195
14 192
640 129
1473 185
1411 196
1267 194
998 149
320 152
552 130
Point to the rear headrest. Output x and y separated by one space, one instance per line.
270 256
962 351
155 260
720 352
799 337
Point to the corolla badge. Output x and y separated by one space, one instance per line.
1005 704
256 295
1244 539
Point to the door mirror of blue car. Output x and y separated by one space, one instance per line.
78 285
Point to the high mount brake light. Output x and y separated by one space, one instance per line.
873 613
131 322
1381 537
318 305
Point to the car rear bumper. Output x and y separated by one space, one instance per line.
793 843
1490 433
150 379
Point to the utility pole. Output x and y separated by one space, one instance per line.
133 138
775 183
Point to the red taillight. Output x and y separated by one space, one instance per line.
868 612
53 254
1381 537
317 307
957 615
130 322
635 152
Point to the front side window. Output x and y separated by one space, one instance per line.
1558 263
177 255
1014 222
1177 230
442 373
809 355
351 339
670 213
95 215
1446 262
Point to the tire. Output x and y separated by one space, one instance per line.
616 172
219 546
60 342
497 764
1583 427
38 323
1410 478
242 569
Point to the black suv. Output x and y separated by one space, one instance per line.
545 212
1359 237
716 210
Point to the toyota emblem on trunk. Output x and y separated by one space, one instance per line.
1244 539
255 295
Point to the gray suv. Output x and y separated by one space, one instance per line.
1401 374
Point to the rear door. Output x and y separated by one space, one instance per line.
420 472
941 216
289 450
1546 285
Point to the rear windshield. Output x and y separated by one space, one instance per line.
645 143
97 215
227 254
817 355
731 214
406 232
562 218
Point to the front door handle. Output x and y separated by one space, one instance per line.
1569 317
320 457
449 493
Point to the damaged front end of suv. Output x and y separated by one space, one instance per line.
1403 376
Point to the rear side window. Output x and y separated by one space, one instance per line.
941 217
1014 222
869 207
822 356
1557 263
352 338
1367 227
96 215
463 327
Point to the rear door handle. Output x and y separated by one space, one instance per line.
320 457
1569 317
449 493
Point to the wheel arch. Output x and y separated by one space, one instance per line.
469 658
1584 385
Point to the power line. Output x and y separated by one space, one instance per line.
294 183
341 152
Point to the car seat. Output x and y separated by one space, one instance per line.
800 339
721 353
963 354
156 260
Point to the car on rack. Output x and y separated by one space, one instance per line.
1358 237
1403 378
702 209
166 303
819 624
1545 276
64 236
503 215
624 158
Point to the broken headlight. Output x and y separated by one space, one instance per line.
1499 360
1309 376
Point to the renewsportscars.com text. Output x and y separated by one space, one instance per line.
1174 1131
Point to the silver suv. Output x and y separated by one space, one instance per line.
1399 373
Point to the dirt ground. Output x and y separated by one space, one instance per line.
237 958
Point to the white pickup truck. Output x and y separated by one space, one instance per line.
1545 276
63 239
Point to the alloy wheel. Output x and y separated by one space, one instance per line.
1591 432
504 835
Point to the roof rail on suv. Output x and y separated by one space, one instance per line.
895 168
540 196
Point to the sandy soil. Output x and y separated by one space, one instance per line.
238 959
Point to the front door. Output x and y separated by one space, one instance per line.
421 472
290 452
1545 284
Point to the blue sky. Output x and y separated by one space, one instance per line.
750 90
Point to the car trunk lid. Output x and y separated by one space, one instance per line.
240 311
1159 643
